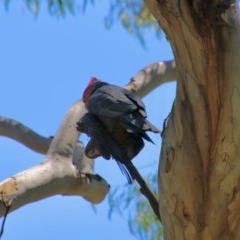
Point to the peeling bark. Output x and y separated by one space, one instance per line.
199 194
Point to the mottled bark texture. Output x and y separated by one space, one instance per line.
200 159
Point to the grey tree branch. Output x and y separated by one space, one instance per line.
65 140
66 170
153 76
21 133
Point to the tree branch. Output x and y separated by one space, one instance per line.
65 140
49 179
66 170
153 76
21 133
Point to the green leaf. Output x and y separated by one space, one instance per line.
127 200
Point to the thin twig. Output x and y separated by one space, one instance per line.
112 148
165 125
4 219
145 190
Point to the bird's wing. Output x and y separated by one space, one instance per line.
112 101
137 100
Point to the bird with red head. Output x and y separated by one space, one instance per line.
122 117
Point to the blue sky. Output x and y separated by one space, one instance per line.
45 65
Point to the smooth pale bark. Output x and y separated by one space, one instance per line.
152 77
66 170
199 170
23 134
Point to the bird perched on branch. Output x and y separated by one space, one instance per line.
116 123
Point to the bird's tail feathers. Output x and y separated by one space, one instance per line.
146 137
125 172
140 127
148 126
135 124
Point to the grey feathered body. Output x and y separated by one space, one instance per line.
116 123
110 101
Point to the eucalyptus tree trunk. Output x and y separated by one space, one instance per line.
199 184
